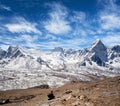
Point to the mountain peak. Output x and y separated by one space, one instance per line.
58 49
116 48
13 48
14 51
98 41
99 49
97 45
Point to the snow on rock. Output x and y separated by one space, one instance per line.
23 68
99 49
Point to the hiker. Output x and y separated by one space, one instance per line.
51 96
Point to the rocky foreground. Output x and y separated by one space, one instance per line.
101 93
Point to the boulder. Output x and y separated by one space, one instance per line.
4 101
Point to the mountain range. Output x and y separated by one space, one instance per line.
23 68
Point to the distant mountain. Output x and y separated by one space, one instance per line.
2 53
62 65
14 52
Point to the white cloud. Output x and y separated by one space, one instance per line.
5 7
27 38
6 40
50 37
78 17
75 43
111 40
57 24
58 27
21 40
110 16
110 21
22 26
79 31
29 41
80 24
57 7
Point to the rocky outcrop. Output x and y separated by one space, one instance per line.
2 53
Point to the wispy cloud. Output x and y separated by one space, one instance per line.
50 37
110 21
110 16
64 27
57 23
78 17
80 24
112 40
5 7
75 43
20 25
30 41
27 38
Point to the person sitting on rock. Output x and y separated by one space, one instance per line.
51 96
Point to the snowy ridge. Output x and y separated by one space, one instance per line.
22 68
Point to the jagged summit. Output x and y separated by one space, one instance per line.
14 51
98 41
97 45
99 50
116 48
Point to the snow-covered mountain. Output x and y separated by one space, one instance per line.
23 68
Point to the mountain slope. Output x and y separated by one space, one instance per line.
19 65
100 93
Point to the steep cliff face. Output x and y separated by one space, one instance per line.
100 52
2 53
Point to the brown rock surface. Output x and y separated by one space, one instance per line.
101 93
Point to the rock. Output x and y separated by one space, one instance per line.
89 104
83 64
68 92
66 97
83 98
44 105
4 101
77 103
98 60
44 86
116 48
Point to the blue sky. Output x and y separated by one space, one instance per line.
45 24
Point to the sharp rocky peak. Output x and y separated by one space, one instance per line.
97 45
116 48
99 50
13 48
14 51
